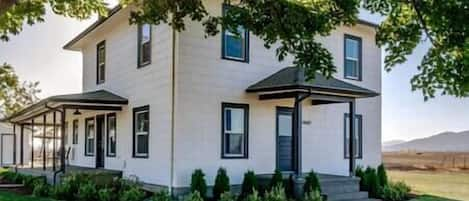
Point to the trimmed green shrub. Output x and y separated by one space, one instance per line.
371 182
161 196
382 176
312 182
106 194
395 192
254 196
313 195
276 194
131 193
194 196
227 196
249 184
361 174
198 183
277 179
222 184
290 186
88 192
41 189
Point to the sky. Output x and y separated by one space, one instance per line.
37 55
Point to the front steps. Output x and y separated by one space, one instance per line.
340 188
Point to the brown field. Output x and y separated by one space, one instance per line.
427 161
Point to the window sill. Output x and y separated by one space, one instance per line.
234 157
245 60
353 78
143 65
140 157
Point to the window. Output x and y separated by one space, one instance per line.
235 46
357 141
141 132
101 63
235 130
89 137
353 57
144 45
111 135
75 132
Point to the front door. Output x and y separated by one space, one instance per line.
100 130
284 139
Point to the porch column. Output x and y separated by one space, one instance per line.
22 144
32 143
44 153
62 140
351 137
54 141
14 144
297 120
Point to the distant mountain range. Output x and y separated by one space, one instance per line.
447 141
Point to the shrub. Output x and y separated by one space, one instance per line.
132 193
249 184
361 174
222 184
312 182
106 194
69 187
395 192
161 196
87 192
41 189
254 196
312 195
277 179
198 183
382 176
227 196
276 194
371 182
194 196
290 187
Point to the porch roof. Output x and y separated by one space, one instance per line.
293 79
93 100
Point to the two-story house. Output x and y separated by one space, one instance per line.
157 104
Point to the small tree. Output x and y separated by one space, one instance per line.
198 183
382 176
312 183
277 179
222 184
249 184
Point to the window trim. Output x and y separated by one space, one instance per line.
246 42
108 153
86 136
360 57
360 135
98 47
141 64
75 122
245 154
134 133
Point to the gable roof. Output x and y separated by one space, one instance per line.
118 8
292 78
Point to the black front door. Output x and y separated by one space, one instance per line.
284 139
100 130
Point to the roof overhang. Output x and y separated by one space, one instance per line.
95 100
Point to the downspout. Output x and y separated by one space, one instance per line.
173 102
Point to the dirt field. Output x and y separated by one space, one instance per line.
437 174
427 161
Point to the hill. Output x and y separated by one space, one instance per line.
447 141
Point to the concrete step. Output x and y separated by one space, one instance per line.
366 199
340 185
347 196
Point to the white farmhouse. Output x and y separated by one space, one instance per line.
157 104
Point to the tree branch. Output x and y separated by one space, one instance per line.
423 24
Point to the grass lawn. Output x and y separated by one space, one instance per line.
9 196
449 185
430 198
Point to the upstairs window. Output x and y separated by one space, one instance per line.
89 137
75 132
358 137
141 132
111 135
235 45
144 45
101 63
353 57
235 130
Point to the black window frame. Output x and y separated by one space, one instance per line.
358 117
245 107
75 125
100 45
360 57
246 41
86 136
140 63
134 134
108 128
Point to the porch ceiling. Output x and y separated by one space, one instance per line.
291 80
94 100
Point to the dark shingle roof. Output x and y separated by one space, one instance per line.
292 78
